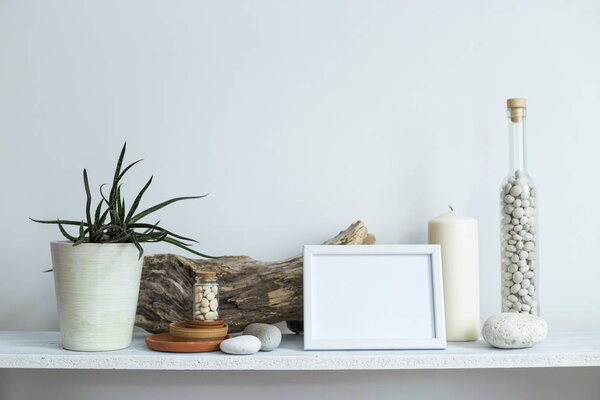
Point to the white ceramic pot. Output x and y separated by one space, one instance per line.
97 287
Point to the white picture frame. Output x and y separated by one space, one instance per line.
373 297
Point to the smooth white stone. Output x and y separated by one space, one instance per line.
517 277
518 212
508 199
212 315
514 331
515 190
517 203
245 344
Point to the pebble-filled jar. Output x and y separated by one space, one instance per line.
519 202
206 297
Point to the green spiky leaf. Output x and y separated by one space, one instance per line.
161 205
138 245
64 232
186 247
56 221
136 203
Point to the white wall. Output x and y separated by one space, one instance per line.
300 117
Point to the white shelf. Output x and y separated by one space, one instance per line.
42 350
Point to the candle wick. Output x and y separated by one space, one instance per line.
451 209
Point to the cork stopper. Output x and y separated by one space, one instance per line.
517 108
207 276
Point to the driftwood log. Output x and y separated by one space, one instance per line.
250 290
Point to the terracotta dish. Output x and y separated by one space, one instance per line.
166 342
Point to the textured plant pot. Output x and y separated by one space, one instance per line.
97 287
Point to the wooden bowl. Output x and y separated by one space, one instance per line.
194 323
180 331
166 342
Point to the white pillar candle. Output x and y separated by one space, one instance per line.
457 235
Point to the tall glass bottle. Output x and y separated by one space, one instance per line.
520 270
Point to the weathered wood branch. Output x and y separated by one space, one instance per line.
250 290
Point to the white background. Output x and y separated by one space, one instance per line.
300 117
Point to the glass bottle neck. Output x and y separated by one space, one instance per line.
517 142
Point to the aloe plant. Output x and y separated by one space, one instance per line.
113 223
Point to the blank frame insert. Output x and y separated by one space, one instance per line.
373 297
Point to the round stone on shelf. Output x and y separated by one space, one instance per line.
269 335
245 344
511 330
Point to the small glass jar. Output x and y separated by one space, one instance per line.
206 297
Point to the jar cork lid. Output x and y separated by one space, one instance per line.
517 108
207 276
518 102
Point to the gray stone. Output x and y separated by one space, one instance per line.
269 335
244 344
514 331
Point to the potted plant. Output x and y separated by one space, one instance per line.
97 272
